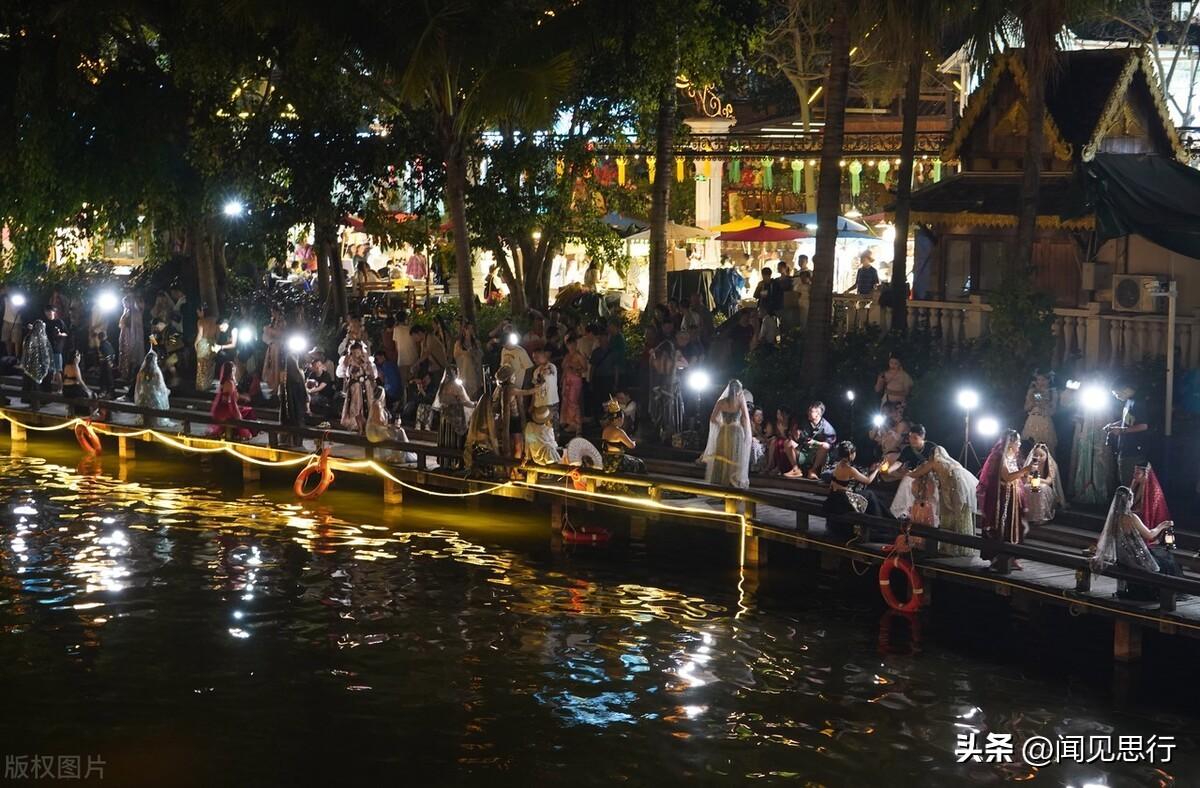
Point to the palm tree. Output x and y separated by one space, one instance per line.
469 84
829 186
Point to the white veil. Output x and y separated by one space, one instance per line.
962 490
449 379
1107 552
741 452
1060 499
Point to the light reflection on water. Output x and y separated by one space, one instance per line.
279 642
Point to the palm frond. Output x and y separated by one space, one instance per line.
525 96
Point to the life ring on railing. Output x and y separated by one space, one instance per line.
898 561
89 441
577 480
317 464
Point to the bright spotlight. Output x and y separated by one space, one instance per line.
698 380
1093 398
245 333
513 339
968 399
297 343
877 420
459 381
233 208
18 300
107 301
850 395
988 427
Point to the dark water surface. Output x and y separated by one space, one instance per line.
199 635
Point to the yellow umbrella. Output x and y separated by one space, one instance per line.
746 223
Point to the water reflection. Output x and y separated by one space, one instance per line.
260 627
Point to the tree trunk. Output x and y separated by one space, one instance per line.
908 152
1035 144
516 293
203 253
322 269
660 193
820 311
327 255
456 189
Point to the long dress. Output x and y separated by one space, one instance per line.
150 390
131 346
272 369
1041 405
206 360
1091 461
666 404
293 399
470 368
729 464
225 407
951 502
452 426
571 412
359 391
1002 520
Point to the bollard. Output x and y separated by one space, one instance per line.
124 448
756 552
1127 641
556 515
251 473
393 493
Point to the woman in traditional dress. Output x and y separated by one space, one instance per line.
207 347
483 439
272 337
890 434
131 343
380 429
227 406
616 443
574 369
1127 541
1041 490
451 403
1091 459
74 387
469 358
999 496
293 398
666 396
150 389
357 369
1041 403
541 447
37 365
727 454
952 498
894 384
355 332
848 493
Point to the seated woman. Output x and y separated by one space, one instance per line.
150 390
758 441
617 443
1041 490
227 405
74 386
890 434
541 447
451 404
847 490
1126 541
482 441
380 429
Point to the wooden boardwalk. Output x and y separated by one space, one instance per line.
756 517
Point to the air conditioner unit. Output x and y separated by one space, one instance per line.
1133 293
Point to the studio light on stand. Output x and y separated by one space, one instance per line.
850 399
18 300
107 302
699 382
297 344
968 400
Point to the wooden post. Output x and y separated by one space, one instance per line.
656 496
124 448
1127 641
16 432
637 528
802 522
251 473
1166 600
1083 579
756 551
557 510
731 506
393 493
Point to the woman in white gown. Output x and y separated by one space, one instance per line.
727 455
150 390
953 501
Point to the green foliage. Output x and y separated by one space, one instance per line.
1020 337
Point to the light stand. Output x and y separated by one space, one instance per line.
968 400
850 396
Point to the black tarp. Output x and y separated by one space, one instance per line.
1152 196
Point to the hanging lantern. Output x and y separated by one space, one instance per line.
559 166
937 170
621 163
855 177
735 170
679 169
884 167
707 168
797 175
768 171
650 160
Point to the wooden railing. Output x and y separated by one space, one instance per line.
1089 336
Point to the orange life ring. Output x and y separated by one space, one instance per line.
317 464
585 534
577 481
917 587
89 441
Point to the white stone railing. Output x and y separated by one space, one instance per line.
1097 339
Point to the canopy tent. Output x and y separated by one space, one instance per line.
809 220
763 234
746 223
624 225
1152 196
675 232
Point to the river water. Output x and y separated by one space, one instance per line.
201 635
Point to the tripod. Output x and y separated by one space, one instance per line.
968 449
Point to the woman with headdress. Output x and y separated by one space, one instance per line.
357 369
936 490
293 398
451 402
273 363
666 396
727 453
150 389
227 404
1041 490
616 443
1041 403
1127 541
131 343
36 362
999 495
482 439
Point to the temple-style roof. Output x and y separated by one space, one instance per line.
1088 93
991 201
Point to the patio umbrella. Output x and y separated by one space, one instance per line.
746 223
622 224
810 220
763 234
675 232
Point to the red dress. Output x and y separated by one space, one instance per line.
225 407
